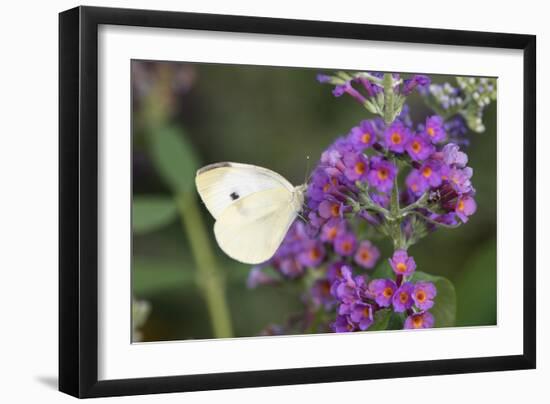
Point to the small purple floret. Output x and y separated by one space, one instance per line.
418 148
402 264
423 295
362 315
435 129
381 174
416 183
402 299
367 254
419 320
356 165
396 137
342 324
345 244
382 290
465 207
363 136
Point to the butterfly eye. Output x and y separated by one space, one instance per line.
234 196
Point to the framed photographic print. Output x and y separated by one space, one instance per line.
251 201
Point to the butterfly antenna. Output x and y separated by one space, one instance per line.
307 175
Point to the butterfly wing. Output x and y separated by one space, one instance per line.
221 184
251 229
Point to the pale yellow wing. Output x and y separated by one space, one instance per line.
221 184
251 229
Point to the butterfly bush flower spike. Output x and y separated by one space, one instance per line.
389 178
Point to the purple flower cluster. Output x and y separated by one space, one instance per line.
342 167
359 300
387 176
445 176
368 158
296 254
300 251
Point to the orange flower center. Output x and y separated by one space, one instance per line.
403 297
401 267
420 296
414 186
430 131
360 168
383 174
387 292
314 253
366 311
416 146
331 233
417 321
326 187
396 138
460 206
325 288
427 172
366 137
365 255
346 246
335 210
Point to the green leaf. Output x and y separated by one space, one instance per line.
152 212
383 271
396 321
444 309
174 158
476 287
381 320
156 275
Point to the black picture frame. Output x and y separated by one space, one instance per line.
78 200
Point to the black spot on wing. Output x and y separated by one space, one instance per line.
234 196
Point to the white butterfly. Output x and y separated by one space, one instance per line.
253 207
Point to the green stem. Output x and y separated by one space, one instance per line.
388 98
420 203
394 204
211 280
367 204
397 235
427 219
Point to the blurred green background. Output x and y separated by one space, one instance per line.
188 115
